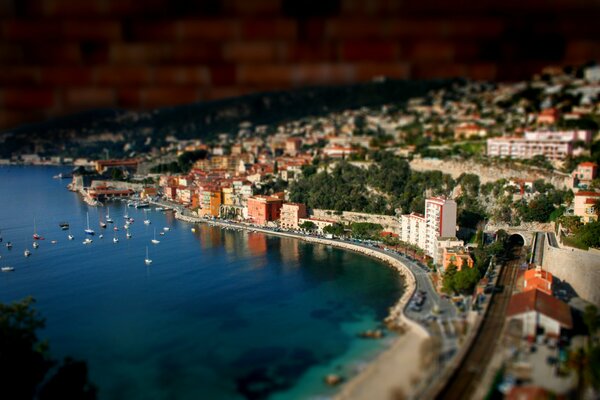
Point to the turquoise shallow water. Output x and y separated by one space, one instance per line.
220 314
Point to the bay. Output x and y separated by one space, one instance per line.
220 314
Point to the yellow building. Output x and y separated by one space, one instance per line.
585 206
228 196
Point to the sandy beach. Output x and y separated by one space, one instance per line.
394 374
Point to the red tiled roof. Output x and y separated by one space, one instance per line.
535 300
528 393
588 194
532 273
588 164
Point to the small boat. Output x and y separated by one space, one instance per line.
8 269
36 245
102 224
116 228
35 234
147 222
70 237
108 218
166 229
26 253
54 241
130 220
9 245
147 260
128 235
89 231
64 225
115 238
142 204
87 241
101 236
162 234
193 229
159 209
126 216
155 241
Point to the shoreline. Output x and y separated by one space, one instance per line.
397 368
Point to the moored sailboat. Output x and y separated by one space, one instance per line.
89 231
108 218
147 260
35 234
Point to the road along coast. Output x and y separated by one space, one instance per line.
395 372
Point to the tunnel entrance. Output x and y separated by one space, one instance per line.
516 240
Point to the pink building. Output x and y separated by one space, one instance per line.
262 209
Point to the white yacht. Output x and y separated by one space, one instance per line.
8 269
36 245
26 253
87 241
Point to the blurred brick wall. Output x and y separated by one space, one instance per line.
60 56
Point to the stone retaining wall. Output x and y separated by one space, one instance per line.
578 268
487 173
390 223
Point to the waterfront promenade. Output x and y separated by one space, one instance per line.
401 370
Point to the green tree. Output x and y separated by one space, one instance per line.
336 229
117 174
366 230
25 362
448 283
308 226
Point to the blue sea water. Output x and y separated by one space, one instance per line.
220 314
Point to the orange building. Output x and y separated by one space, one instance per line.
129 164
210 202
456 256
537 278
262 209
548 116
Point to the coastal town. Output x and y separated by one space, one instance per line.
485 197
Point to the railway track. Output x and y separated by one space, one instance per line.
464 380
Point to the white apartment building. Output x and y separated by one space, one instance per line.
553 145
414 229
424 230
